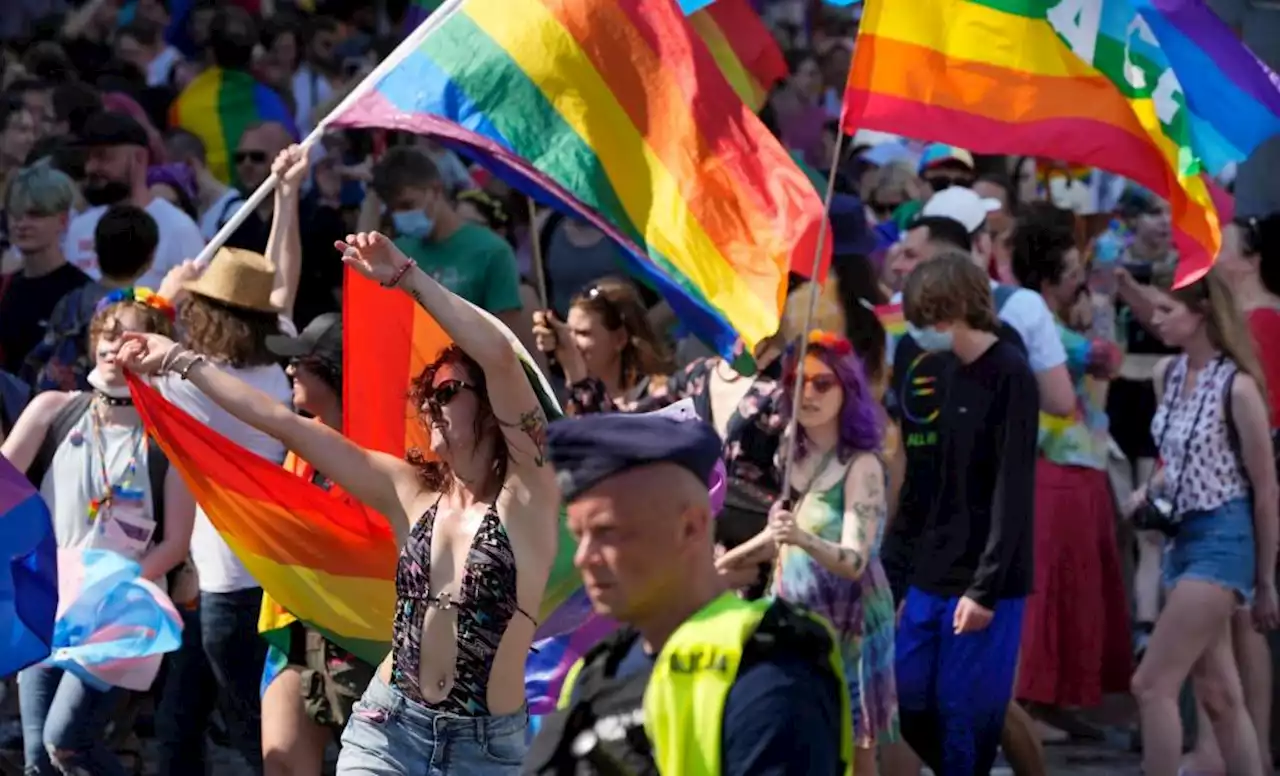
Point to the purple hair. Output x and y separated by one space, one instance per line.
861 418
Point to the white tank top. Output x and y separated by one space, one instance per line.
74 477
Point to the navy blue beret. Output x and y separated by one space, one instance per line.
589 449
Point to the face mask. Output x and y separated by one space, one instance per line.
107 193
100 385
413 223
930 338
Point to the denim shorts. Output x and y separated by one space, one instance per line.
390 735
1216 546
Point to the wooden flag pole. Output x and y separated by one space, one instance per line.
535 246
815 288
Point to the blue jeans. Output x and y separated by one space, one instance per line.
187 695
954 691
60 714
221 660
236 654
390 735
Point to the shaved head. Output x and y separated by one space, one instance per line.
641 535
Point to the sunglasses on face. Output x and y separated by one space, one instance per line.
443 394
884 209
821 383
944 182
254 157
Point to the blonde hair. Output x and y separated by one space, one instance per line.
1224 324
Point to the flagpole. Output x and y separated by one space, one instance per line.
814 289
370 81
535 244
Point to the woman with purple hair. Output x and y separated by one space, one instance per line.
828 547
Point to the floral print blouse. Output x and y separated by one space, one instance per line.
751 435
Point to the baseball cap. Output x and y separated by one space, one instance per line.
112 129
935 154
961 204
322 338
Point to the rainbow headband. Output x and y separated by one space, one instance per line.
143 296
830 342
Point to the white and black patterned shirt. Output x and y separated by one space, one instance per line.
1202 468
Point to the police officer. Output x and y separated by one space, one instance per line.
702 682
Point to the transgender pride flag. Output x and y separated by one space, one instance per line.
113 626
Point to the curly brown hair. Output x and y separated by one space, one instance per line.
618 305
434 473
106 321
229 334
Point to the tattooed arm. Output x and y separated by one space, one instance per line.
865 507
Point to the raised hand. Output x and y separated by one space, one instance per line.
373 255
143 354
550 334
290 166
171 287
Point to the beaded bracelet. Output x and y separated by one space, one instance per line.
400 273
179 361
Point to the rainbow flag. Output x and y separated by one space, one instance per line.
28 573
217 107
615 112
1159 91
331 565
892 319
745 50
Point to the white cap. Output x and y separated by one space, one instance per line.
961 204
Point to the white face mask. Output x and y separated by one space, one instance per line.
100 385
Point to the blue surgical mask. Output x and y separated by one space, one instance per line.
930 339
412 223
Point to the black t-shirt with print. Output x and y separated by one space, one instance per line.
915 400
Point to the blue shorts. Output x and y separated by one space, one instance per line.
1217 546
390 735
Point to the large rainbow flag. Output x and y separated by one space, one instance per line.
1159 91
743 47
217 107
614 111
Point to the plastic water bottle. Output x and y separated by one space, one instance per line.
1107 250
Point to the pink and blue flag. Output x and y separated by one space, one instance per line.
113 626
28 573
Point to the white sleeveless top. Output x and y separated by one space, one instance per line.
1212 474
74 477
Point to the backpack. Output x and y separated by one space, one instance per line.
1002 294
60 361
60 427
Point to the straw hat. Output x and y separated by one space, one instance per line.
238 278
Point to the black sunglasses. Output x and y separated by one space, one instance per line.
444 393
257 157
944 182
884 209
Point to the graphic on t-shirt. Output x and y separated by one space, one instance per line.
921 401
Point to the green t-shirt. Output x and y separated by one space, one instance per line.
473 262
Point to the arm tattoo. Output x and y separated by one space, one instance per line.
850 559
534 424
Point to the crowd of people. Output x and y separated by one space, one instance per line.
1027 473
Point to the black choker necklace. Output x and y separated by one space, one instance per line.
112 401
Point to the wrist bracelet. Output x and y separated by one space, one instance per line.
400 273
165 363
181 363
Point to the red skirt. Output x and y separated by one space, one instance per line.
1076 645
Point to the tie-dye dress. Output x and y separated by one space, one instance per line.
861 611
